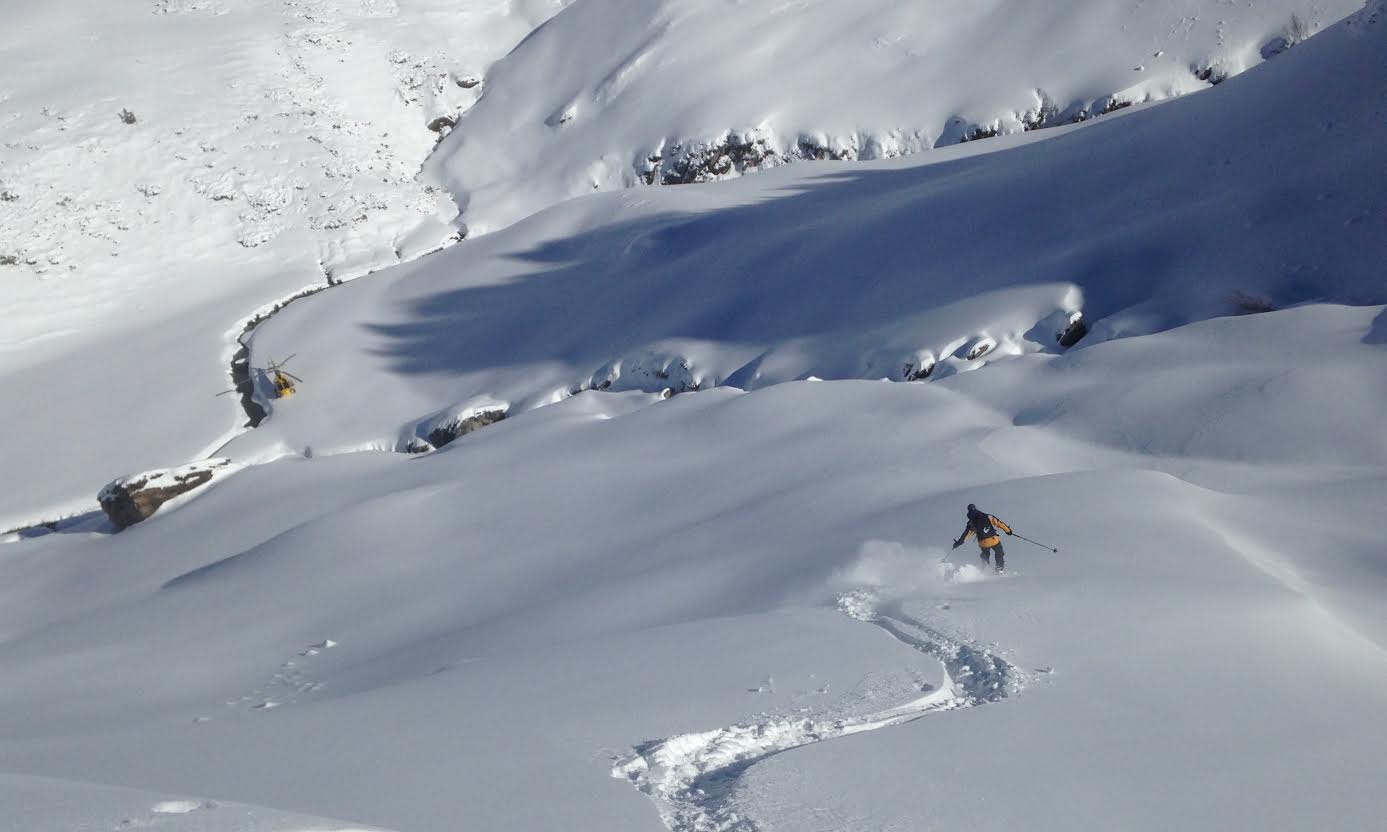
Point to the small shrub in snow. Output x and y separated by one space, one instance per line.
127 116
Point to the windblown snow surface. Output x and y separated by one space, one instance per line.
699 578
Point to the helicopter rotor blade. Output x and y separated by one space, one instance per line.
291 375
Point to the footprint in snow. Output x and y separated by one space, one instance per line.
288 684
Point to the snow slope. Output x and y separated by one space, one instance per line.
734 609
516 617
263 130
284 156
617 94
1269 188
275 146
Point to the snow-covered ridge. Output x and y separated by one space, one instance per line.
607 96
1236 200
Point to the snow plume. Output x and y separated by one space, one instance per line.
895 570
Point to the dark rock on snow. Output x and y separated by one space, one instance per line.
130 500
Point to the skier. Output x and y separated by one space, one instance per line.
985 527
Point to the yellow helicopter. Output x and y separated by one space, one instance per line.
283 379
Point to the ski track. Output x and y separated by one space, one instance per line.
692 778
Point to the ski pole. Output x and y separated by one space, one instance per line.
1036 542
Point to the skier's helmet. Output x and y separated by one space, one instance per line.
972 508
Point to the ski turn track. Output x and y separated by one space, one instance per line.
692 777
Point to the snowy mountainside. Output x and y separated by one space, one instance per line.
1263 192
148 143
297 126
275 146
619 94
734 608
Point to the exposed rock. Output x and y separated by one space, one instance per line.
653 372
689 163
1212 74
682 161
1045 114
1073 333
443 124
980 132
917 372
1295 33
445 427
981 347
736 153
130 500
445 433
819 151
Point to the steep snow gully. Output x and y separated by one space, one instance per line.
692 778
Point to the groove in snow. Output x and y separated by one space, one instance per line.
692 777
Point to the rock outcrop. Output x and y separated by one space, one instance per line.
130 500
1074 332
445 433
443 428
